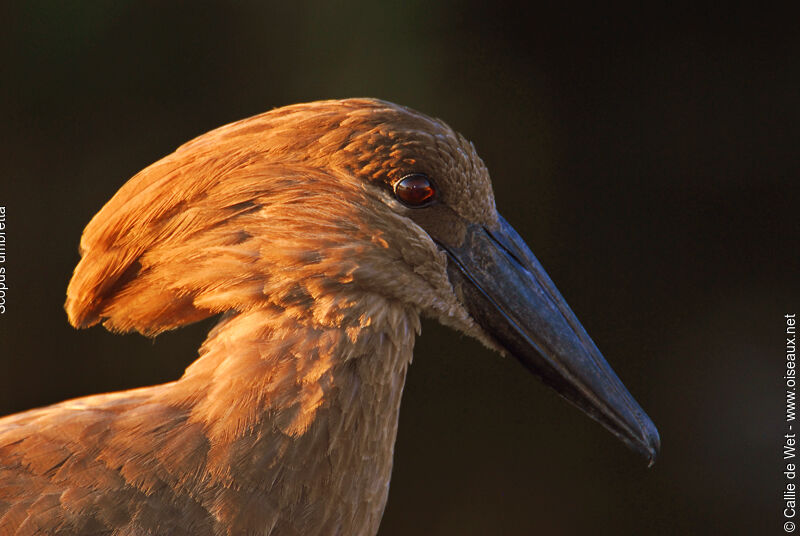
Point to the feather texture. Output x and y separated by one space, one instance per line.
285 225
275 429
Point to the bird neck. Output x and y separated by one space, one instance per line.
271 364
304 404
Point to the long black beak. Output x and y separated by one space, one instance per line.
511 297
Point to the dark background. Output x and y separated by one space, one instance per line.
649 158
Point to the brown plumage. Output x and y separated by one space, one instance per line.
285 223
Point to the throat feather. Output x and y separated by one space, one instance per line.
267 368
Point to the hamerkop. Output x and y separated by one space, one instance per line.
320 233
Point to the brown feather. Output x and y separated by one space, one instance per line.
286 422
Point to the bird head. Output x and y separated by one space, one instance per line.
328 210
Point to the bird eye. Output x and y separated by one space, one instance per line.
415 190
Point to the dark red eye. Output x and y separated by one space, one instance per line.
414 190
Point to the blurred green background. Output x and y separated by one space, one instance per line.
649 159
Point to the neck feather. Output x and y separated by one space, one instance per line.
303 411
